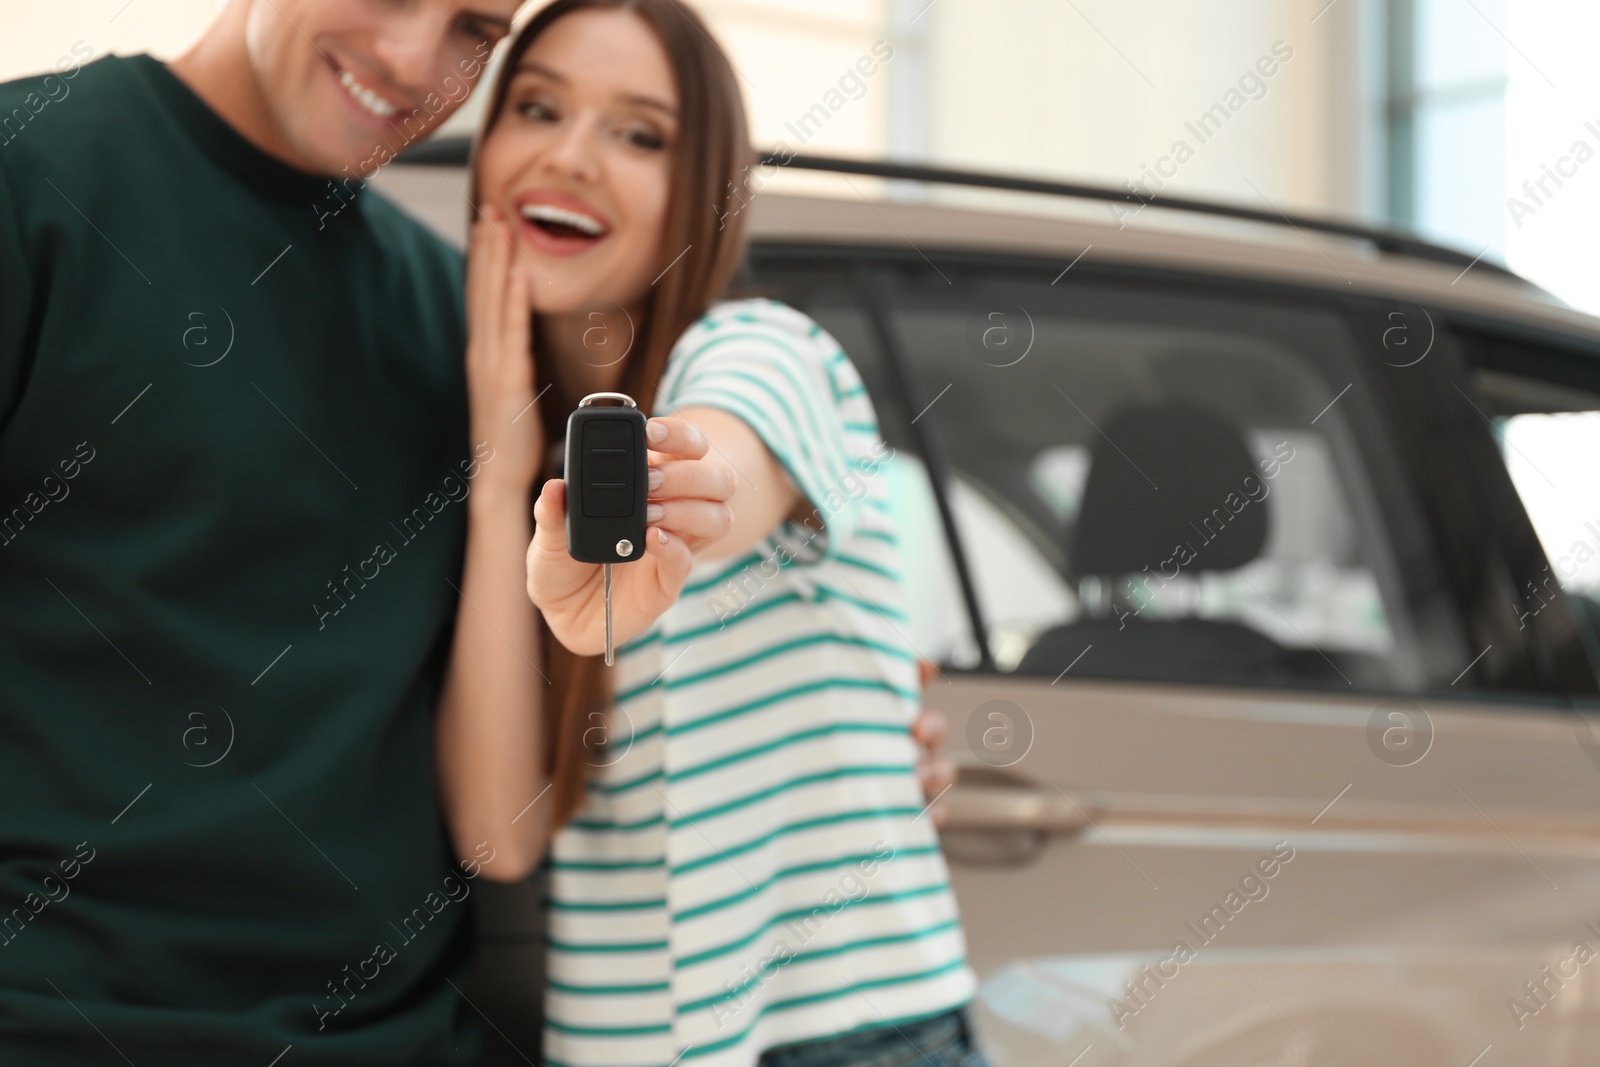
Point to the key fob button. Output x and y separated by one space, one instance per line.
607 469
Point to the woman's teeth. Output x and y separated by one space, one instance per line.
366 97
549 213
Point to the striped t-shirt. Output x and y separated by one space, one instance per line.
752 865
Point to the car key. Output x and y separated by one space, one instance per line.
605 473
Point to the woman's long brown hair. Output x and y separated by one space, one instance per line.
709 160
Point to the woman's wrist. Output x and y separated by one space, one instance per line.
497 489
508 454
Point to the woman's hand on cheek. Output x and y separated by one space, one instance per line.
500 379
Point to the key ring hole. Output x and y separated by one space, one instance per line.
592 397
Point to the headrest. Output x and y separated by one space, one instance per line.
1173 488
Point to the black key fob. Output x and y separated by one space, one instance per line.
605 474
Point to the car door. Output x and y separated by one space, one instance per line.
1298 783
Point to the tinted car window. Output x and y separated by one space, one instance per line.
1168 484
1548 430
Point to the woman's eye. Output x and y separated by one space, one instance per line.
647 139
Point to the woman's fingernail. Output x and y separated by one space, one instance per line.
655 431
661 535
654 512
655 479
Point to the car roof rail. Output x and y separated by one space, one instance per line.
454 151
1391 241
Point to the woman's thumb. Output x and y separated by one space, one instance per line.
550 517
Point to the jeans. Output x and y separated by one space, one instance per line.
942 1041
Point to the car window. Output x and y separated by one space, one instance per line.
1020 589
1168 485
1549 437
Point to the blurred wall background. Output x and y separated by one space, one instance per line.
1430 114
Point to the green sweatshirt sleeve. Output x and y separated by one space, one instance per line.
16 301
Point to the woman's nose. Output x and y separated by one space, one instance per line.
575 153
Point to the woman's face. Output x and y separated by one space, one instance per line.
580 159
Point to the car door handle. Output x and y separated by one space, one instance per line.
990 799
994 817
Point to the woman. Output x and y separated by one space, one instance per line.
741 866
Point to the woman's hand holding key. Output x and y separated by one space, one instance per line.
687 511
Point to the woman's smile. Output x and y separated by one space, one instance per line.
558 223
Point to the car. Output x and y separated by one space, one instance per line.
1254 559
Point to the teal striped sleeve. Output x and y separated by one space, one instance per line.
779 380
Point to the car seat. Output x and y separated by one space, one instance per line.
1163 479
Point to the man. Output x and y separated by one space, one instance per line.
233 455
233 449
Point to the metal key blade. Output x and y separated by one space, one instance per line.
605 570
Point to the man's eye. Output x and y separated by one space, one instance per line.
534 111
477 29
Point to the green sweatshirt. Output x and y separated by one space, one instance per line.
233 465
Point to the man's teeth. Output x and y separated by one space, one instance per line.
366 97
550 213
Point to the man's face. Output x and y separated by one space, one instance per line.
352 83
